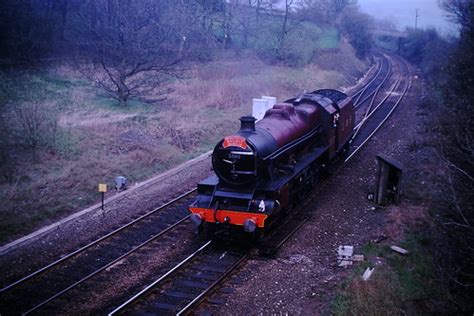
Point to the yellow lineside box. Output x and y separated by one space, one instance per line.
102 187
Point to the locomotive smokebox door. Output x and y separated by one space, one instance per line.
389 177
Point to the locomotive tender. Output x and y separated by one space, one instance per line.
267 167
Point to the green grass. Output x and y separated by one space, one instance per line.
111 104
301 42
415 273
397 286
329 38
60 83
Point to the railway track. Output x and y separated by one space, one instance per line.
374 85
362 89
355 95
197 276
28 294
364 105
186 284
180 298
375 116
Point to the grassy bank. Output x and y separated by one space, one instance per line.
92 140
399 284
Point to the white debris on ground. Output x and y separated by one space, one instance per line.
367 274
399 250
346 256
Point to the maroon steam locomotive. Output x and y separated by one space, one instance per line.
266 168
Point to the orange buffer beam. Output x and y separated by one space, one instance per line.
236 218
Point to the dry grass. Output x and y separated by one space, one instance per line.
380 296
400 219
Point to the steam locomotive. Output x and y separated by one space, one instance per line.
266 168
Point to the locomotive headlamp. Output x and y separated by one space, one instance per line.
196 219
261 206
249 225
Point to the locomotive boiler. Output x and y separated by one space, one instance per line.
266 168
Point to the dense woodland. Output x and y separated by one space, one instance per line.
126 41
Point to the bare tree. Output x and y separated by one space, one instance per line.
288 24
455 139
325 11
35 125
288 7
136 46
338 6
230 9
460 11
209 13
356 26
246 18
244 23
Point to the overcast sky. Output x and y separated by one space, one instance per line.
403 12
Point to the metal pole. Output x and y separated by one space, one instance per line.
416 19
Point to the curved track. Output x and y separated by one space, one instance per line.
374 85
378 65
148 228
375 117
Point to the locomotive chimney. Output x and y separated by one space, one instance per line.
247 124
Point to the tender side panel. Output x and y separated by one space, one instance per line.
346 121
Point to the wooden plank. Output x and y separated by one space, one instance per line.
399 250
358 258
367 274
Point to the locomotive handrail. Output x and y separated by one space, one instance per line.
293 143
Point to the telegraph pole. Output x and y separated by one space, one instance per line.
416 19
